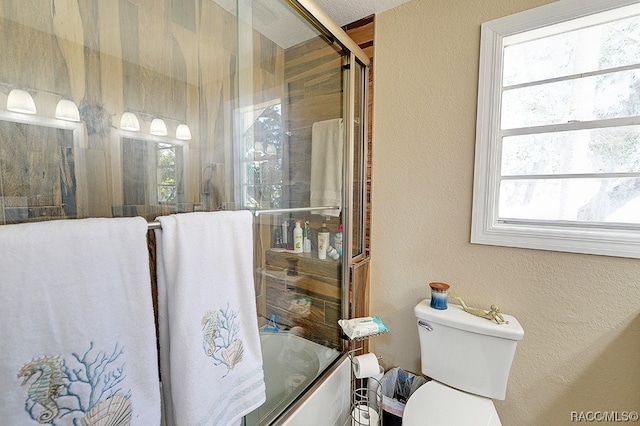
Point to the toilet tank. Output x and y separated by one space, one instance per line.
467 352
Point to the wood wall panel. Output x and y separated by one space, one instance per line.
314 92
131 88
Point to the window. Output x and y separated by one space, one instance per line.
166 173
262 160
558 130
153 174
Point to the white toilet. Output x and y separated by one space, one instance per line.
469 359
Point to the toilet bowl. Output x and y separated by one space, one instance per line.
468 359
436 404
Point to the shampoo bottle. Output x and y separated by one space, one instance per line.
297 238
323 241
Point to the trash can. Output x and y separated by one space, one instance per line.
397 386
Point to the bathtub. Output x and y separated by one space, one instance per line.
291 363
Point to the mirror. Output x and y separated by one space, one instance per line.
152 179
39 172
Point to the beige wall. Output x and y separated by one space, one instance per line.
581 313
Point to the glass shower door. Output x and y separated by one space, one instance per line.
291 127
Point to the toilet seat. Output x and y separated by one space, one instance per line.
436 404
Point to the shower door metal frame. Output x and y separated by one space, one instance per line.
351 260
323 23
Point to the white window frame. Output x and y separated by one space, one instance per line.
621 241
247 117
153 142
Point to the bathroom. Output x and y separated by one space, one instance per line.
580 351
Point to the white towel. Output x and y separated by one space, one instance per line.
78 332
327 145
210 355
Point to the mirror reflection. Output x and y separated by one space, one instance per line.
139 116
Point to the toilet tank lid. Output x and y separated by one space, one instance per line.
454 316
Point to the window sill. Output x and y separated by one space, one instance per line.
617 243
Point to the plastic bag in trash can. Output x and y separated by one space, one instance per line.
397 386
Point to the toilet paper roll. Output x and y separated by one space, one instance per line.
363 415
373 388
366 365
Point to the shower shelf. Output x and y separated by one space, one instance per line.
358 339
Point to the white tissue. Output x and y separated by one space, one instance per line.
373 385
363 415
366 365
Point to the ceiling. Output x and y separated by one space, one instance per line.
347 11
279 22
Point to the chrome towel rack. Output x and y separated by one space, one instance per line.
156 224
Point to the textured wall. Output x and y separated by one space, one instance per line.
581 313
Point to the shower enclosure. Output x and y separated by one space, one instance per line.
112 108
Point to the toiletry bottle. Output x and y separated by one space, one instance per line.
284 234
332 253
338 240
290 227
306 241
297 238
323 241
277 237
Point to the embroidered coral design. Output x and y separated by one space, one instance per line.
85 389
45 388
220 338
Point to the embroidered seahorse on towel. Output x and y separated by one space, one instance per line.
78 331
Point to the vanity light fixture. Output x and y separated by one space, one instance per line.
67 110
21 101
130 122
158 127
183 132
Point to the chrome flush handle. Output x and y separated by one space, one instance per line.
425 324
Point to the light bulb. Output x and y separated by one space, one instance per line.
67 110
21 101
158 128
130 122
183 132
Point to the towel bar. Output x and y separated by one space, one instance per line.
295 209
156 224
